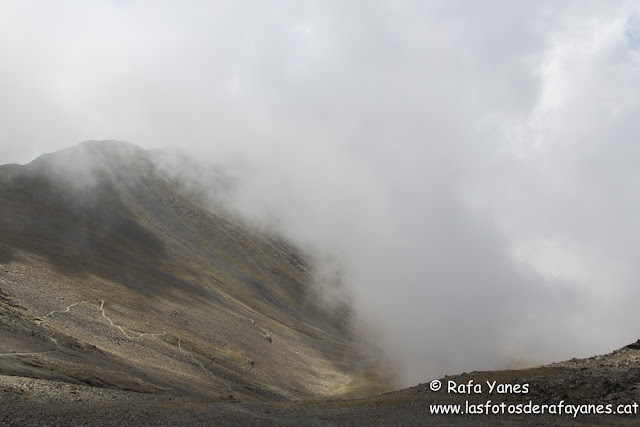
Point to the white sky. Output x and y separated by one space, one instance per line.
472 165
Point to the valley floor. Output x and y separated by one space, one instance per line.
611 379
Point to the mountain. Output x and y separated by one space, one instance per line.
116 274
130 296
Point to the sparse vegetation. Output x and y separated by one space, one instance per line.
138 305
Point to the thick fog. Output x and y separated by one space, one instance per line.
469 169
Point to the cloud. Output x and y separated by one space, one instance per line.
470 169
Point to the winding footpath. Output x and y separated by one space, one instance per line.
111 322
124 332
201 365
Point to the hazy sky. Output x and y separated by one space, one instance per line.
470 167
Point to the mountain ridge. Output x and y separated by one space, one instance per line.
127 298
102 227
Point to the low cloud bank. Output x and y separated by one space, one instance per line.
469 170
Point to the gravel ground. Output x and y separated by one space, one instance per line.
608 379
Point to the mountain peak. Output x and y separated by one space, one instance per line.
92 151
127 271
84 163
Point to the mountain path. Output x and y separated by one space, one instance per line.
202 366
132 337
111 322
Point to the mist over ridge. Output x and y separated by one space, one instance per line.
467 173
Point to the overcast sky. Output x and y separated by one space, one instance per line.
470 167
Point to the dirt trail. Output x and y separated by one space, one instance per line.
202 366
111 322
132 337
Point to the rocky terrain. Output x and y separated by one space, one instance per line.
608 379
127 299
113 274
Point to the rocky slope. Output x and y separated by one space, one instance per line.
611 379
113 275
125 299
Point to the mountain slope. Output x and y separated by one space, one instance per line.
125 299
115 276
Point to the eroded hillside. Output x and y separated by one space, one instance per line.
114 276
